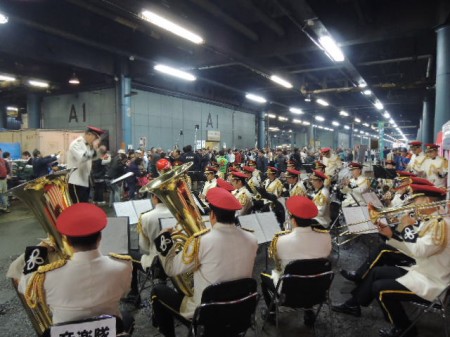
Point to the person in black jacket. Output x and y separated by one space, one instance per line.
115 170
41 165
188 156
98 173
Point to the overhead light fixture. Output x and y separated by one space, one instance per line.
171 27
379 105
174 72
391 121
74 79
362 84
308 98
281 81
282 119
271 115
319 118
296 121
346 127
343 113
366 125
386 115
7 78
306 123
331 48
274 129
320 126
335 123
322 102
367 92
357 120
296 111
39 84
12 108
356 130
361 132
3 19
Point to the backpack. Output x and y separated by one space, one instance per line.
3 168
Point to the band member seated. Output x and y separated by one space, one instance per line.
272 184
211 181
87 284
435 166
241 192
417 159
321 167
355 187
331 161
390 285
221 254
300 243
296 186
321 198
221 183
255 180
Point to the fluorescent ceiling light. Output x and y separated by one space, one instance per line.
12 108
356 130
346 127
391 121
320 126
308 98
274 129
322 102
281 81
343 113
296 121
366 125
174 72
171 27
7 78
357 120
283 119
306 123
319 118
271 115
296 111
362 85
335 123
361 132
386 115
39 84
3 19
379 105
367 92
256 98
331 48
74 79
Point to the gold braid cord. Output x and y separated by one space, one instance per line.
35 293
273 251
120 256
438 229
191 255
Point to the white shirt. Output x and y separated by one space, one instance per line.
226 253
333 164
209 185
360 186
80 156
321 199
436 170
415 164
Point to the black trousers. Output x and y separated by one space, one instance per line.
381 284
166 304
78 193
99 191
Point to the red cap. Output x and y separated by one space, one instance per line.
225 185
248 168
427 190
390 161
302 207
82 219
354 165
95 130
325 150
163 165
421 181
239 174
272 170
317 174
251 163
415 143
320 164
292 173
405 174
432 147
210 169
221 198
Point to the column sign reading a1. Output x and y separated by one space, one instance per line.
73 113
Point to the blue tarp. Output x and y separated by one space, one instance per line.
13 148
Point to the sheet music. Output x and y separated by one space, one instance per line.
357 214
269 224
115 236
251 222
142 206
126 208
165 223
371 197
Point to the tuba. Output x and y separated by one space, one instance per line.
172 189
47 197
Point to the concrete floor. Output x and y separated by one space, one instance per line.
19 229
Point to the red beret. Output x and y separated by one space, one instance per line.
320 164
272 170
248 168
163 164
221 198
427 190
210 169
415 143
432 146
95 130
405 174
325 150
317 174
292 173
354 165
239 174
225 185
302 207
421 181
82 219
251 163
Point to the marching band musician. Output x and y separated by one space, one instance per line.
321 167
87 284
427 243
387 184
301 243
241 192
435 167
221 254
211 181
321 198
296 186
331 161
417 159
272 184
163 165
356 186
255 180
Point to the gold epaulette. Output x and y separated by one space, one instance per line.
203 231
120 256
247 230
438 229
139 228
320 199
320 230
273 251
191 255
282 233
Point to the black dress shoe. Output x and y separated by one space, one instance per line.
350 275
345 308
396 332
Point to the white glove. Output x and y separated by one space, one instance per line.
58 156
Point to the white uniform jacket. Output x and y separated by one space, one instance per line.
80 156
431 273
359 186
149 229
436 171
225 253
321 199
301 243
208 186
88 285
275 186
297 189
245 198
333 164
415 164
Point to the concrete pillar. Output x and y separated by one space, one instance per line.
350 135
262 129
34 110
428 120
309 135
2 116
442 112
125 109
419 132
335 138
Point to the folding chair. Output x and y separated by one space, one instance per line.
227 309
438 305
304 284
